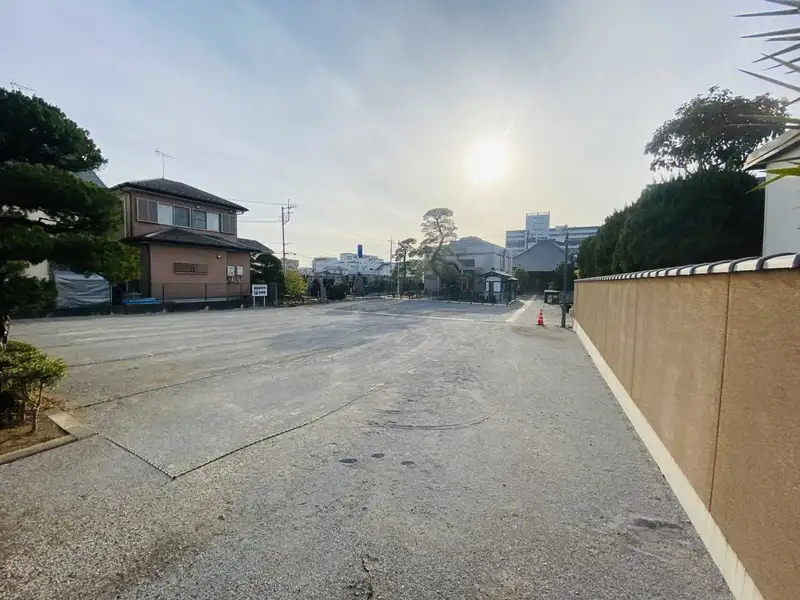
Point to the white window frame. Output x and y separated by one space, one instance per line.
163 206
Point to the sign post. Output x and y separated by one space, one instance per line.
259 289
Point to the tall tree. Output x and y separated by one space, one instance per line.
266 268
558 278
438 230
605 242
696 218
47 212
404 249
716 131
586 258
524 279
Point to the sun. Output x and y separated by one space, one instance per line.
487 161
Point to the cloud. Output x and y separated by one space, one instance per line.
362 113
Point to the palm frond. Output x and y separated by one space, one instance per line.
791 48
773 80
771 13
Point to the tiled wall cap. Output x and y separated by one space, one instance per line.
786 260
721 266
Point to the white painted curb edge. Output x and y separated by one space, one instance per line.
732 569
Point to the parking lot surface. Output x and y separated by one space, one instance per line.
377 449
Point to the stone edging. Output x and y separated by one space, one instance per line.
74 428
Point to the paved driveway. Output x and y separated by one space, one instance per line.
384 449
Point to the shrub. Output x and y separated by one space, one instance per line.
338 292
25 372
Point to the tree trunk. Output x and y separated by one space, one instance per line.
5 331
35 424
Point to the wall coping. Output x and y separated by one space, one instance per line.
785 260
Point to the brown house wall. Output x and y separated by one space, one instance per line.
711 362
136 228
166 284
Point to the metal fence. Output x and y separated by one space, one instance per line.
469 296
199 292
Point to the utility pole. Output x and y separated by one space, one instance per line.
391 257
566 263
286 216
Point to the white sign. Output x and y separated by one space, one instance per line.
260 289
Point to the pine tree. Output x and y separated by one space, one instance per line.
47 213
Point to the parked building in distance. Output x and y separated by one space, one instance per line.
537 229
473 257
189 247
348 263
781 198
291 263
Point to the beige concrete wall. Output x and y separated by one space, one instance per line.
756 496
620 329
711 361
680 334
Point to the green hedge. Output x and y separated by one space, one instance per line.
338 292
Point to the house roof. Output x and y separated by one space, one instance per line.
542 256
185 237
498 273
770 151
255 244
91 177
176 189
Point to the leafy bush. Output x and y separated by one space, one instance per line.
25 372
338 292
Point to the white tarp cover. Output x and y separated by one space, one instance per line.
76 290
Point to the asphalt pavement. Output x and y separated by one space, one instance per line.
381 449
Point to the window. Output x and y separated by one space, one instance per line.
467 262
199 219
146 210
227 223
164 214
182 268
180 216
213 221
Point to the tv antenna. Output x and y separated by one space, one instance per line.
19 87
163 155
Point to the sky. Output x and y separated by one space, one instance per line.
363 112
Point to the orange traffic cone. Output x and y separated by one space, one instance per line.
540 322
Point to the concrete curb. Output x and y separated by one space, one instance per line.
35 449
69 424
75 430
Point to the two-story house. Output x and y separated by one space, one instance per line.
189 247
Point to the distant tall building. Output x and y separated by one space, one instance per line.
537 225
537 229
349 263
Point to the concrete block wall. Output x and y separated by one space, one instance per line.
710 357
